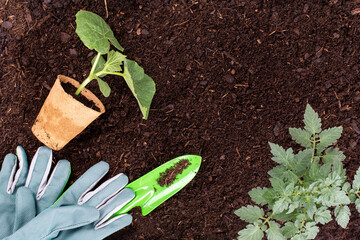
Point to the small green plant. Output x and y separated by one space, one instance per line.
306 187
97 35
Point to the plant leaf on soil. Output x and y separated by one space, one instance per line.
301 136
356 182
312 120
99 66
94 32
311 230
323 215
250 213
274 231
289 230
342 214
333 155
281 156
114 61
104 87
328 137
141 85
251 232
256 195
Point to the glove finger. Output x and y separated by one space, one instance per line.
56 183
39 169
10 176
113 225
8 168
84 184
50 222
21 174
25 207
105 191
115 204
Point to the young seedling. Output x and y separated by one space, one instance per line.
306 187
97 35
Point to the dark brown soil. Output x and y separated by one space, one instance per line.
169 176
230 76
70 89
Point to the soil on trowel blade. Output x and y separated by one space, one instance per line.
168 177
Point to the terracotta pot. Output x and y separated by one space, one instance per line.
62 117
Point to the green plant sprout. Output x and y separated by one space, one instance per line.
97 35
305 187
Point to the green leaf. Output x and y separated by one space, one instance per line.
301 136
284 216
270 196
251 232
99 66
335 179
310 207
104 87
314 171
311 230
250 213
303 161
278 172
357 204
333 155
325 170
257 195
281 204
292 206
274 231
312 120
323 215
346 187
141 85
94 32
281 187
342 214
333 196
114 61
299 237
356 182
352 197
328 137
278 185
281 156
342 198
289 230
291 177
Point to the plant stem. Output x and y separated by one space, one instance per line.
314 147
112 73
90 77
266 220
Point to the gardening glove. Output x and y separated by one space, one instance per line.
82 213
19 187
50 222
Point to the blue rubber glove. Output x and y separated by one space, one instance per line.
81 212
50 222
108 198
19 186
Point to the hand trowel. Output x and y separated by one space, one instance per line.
160 184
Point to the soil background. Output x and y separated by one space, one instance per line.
230 76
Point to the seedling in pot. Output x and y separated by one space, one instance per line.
97 35
307 187
63 117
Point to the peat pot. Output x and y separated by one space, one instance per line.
62 117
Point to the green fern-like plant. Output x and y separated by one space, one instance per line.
306 186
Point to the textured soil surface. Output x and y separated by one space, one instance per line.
230 76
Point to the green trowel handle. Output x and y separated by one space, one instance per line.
149 194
